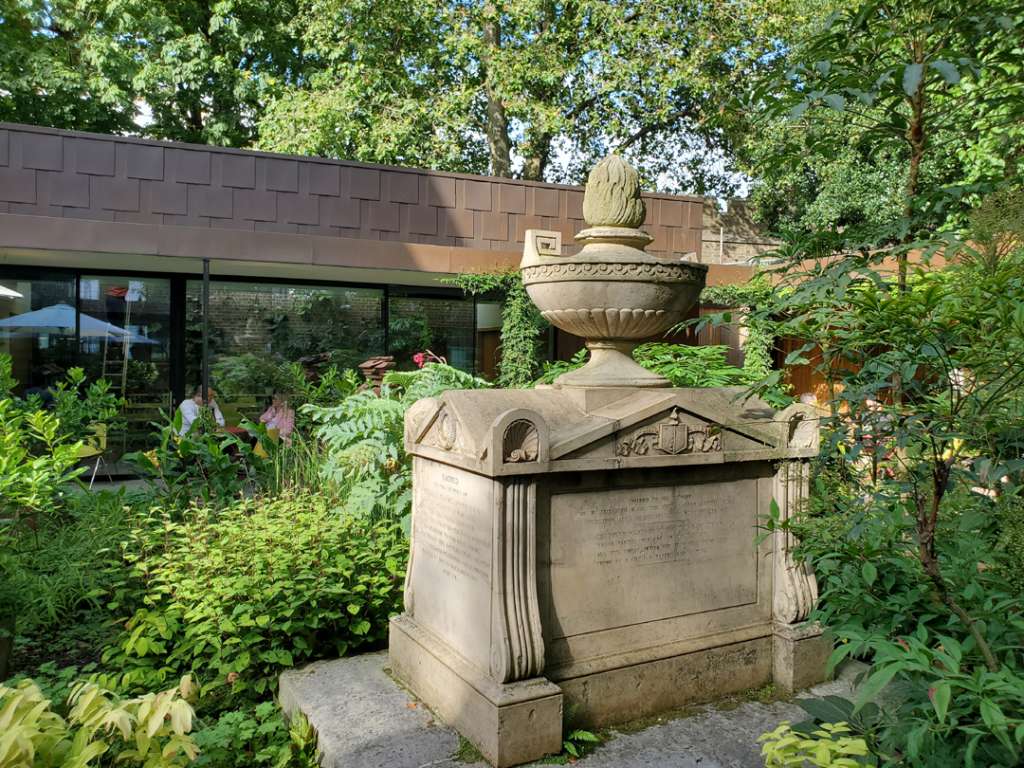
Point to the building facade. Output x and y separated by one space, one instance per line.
104 241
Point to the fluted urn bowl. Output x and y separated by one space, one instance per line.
612 294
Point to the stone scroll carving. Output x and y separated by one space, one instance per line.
519 651
443 433
796 589
671 436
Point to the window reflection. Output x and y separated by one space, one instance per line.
125 332
37 330
442 325
257 328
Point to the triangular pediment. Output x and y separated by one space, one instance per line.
670 424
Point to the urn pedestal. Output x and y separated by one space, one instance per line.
584 557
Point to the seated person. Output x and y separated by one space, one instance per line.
280 417
190 409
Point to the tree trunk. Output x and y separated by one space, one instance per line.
927 523
537 151
916 139
497 119
7 627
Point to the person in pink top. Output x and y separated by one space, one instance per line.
280 417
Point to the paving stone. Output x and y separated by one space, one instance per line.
366 720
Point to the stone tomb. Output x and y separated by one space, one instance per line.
591 555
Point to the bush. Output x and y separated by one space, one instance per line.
236 596
830 746
60 564
101 728
690 366
364 460
257 736
204 464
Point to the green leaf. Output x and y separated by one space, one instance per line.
874 684
835 100
940 699
992 714
912 74
948 71
869 573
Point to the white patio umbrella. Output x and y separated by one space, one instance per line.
7 293
62 316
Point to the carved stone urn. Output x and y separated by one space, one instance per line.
612 293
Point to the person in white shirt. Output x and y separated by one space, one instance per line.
190 409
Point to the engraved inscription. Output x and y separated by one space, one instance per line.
450 570
447 533
640 527
651 553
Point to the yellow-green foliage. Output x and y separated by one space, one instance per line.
830 746
100 729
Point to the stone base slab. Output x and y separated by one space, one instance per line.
362 718
641 690
800 655
510 724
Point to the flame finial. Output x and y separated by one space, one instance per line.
612 197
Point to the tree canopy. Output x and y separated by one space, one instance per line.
816 107
893 116
534 88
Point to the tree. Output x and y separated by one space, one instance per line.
58 69
920 100
187 70
204 70
536 88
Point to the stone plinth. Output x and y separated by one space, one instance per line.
591 555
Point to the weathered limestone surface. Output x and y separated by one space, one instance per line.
587 551
365 720
590 554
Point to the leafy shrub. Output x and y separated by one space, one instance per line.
1011 541
555 368
830 746
101 728
682 364
257 736
364 460
60 564
37 461
238 595
204 464
690 366
78 406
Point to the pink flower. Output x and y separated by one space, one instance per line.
419 358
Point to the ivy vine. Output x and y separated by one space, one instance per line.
521 323
757 351
734 295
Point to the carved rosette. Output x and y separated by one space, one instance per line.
796 588
443 433
518 650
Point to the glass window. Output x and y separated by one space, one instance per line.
37 329
125 333
254 327
442 325
488 338
125 338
